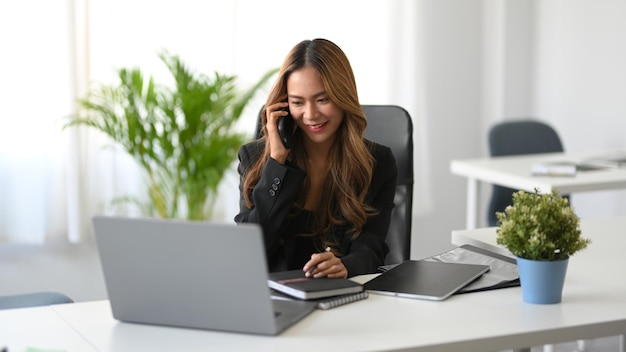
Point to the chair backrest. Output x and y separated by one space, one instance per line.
34 299
391 125
517 137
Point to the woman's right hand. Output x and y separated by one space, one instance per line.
274 112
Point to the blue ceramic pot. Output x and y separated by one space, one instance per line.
542 281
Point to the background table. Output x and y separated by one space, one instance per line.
514 172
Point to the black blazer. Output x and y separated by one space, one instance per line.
279 187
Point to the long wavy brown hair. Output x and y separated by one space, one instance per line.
351 162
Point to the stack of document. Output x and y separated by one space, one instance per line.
503 271
614 159
553 169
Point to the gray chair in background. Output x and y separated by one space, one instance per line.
391 125
516 137
33 300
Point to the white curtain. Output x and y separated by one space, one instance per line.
35 95
52 180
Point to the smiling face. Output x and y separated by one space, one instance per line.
312 110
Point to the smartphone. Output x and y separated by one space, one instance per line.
285 129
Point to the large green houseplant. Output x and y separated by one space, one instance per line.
541 230
181 135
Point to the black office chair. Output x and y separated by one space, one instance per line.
392 126
33 300
517 137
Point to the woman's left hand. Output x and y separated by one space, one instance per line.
325 264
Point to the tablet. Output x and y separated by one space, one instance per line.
428 280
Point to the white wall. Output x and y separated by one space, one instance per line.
450 33
456 65
55 50
563 61
581 84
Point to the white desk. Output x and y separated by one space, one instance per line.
514 172
594 305
38 328
594 295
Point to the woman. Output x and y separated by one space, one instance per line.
325 204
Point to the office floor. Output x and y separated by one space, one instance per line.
74 269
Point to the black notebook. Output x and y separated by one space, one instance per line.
422 279
295 284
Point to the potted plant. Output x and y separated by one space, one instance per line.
543 232
181 136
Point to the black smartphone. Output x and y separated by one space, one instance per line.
285 129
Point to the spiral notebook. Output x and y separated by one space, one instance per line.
326 302
332 302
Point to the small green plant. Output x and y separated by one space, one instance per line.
540 227
181 136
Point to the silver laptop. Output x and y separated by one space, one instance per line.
191 274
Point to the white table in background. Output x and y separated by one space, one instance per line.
514 172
